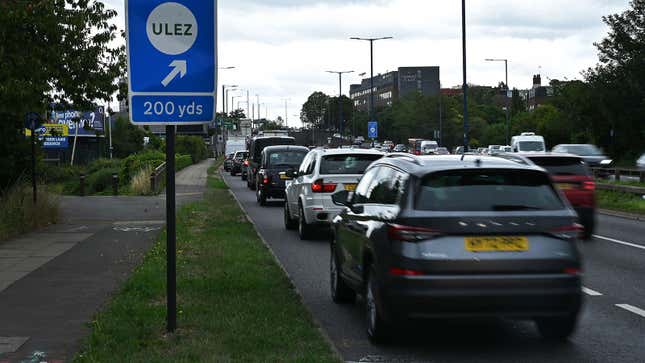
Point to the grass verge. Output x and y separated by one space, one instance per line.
234 301
19 214
622 202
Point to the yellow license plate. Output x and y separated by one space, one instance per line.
564 186
497 244
284 177
350 187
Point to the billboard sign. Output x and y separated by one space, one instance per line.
54 142
90 122
50 130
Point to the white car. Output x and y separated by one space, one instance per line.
322 173
640 163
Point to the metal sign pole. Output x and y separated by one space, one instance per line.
33 162
171 270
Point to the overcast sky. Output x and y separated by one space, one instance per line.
282 48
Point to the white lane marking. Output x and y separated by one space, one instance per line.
591 292
620 242
632 309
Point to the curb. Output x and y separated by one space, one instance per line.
625 215
324 334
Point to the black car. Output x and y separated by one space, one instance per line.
255 155
228 162
446 237
276 160
238 162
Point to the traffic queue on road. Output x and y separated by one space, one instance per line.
422 234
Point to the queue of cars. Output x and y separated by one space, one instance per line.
437 236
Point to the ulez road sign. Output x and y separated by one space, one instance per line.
172 61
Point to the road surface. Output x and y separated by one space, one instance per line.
611 329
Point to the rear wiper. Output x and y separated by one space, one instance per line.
511 207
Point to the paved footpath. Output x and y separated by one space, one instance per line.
53 281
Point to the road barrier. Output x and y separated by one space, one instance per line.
621 188
157 177
618 173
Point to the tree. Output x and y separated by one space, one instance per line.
315 109
127 138
51 51
618 81
237 114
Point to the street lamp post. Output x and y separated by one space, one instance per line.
225 89
506 93
465 86
286 110
371 40
340 100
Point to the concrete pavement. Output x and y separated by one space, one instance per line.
53 282
610 329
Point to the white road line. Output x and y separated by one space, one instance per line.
620 242
591 292
632 309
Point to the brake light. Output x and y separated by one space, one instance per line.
573 271
265 180
570 232
395 271
319 186
589 185
417 152
246 163
398 232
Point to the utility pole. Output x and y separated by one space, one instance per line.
465 86
340 100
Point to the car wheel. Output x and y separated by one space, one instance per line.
243 176
340 292
377 329
289 223
304 229
261 197
557 328
253 184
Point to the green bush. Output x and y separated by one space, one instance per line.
100 180
51 174
99 164
182 161
18 213
133 163
193 146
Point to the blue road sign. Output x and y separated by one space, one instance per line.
172 61
55 142
372 130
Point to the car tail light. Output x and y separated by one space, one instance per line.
569 232
398 232
319 186
417 152
246 163
573 271
589 185
265 180
395 271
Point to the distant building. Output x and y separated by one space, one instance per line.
391 86
538 94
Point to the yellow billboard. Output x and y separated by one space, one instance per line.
50 130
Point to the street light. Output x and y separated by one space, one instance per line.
507 89
286 115
465 86
225 88
371 40
340 101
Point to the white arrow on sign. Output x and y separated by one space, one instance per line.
179 69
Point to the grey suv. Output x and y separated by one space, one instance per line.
457 236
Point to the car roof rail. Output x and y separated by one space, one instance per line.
513 157
410 157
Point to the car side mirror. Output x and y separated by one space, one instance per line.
290 174
343 198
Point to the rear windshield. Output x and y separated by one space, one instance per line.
286 158
260 144
487 190
242 155
586 150
531 146
562 165
347 164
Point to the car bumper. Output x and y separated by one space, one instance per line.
587 216
320 214
454 296
273 191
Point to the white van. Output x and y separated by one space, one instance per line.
235 144
428 147
528 141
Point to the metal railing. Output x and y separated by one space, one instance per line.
157 178
619 173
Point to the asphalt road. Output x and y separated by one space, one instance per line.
611 328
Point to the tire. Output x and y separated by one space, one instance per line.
557 328
243 176
340 292
304 228
289 223
261 197
378 330
253 185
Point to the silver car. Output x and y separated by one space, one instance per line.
322 173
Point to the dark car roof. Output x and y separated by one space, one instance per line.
272 137
285 148
548 155
422 165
